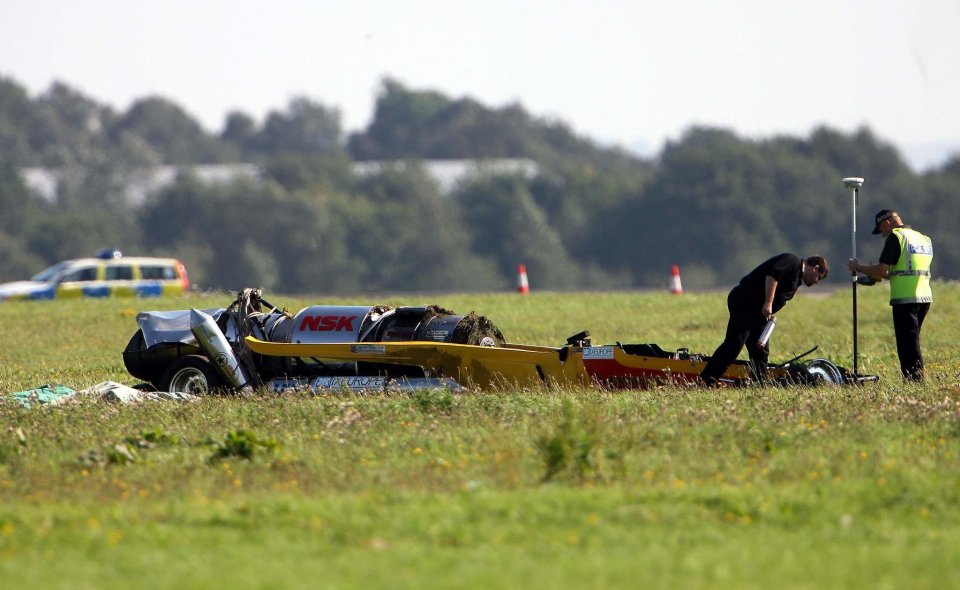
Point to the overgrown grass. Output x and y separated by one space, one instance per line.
786 487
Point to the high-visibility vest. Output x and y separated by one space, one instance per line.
910 276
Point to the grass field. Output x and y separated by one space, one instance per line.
682 488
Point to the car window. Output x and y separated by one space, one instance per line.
49 273
157 273
119 272
88 273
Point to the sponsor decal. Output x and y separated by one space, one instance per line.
597 352
327 323
281 385
370 382
223 361
368 348
228 366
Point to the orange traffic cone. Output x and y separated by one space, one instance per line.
675 287
523 286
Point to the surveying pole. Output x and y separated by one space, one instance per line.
854 183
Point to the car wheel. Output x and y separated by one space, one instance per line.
190 374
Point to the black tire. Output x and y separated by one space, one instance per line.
191 374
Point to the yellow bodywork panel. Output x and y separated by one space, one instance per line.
469 365
607 366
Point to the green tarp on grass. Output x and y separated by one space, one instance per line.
45 394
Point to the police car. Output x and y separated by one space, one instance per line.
107 274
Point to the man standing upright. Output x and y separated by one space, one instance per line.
758 296
905 262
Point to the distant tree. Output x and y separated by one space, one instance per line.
239 128
255 235
306 128
22 213
169 130
709 203
937 217
505 223
331 171
15 109
66 129
861 154
401 118
581 201
412 237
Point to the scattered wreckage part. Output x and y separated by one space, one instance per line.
823 371
796 358
217 348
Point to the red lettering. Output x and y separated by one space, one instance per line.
346 323
311 323
327 323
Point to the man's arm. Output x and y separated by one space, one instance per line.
770 286
879 271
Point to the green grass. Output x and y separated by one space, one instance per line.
778 487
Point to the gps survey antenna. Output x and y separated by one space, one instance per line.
854 183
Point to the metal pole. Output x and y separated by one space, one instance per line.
854 183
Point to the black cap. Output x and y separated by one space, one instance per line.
881 217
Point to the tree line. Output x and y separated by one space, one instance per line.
595 217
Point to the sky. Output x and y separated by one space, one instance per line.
632 73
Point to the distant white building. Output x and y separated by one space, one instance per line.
446 173
46 181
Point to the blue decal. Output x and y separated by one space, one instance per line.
103 291
48 293
150 290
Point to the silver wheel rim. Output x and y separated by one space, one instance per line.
189 380
826 371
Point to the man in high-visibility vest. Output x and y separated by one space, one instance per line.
905 262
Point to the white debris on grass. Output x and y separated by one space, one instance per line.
112 391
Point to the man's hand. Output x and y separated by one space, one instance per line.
878 272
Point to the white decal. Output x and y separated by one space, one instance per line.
437 335
368 349
371 382
598 352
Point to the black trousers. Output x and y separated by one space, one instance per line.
907 321
744 327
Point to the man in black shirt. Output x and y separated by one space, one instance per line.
759 295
